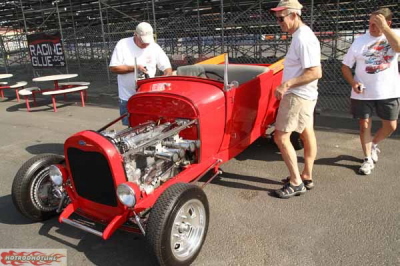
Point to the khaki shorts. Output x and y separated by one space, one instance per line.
294 113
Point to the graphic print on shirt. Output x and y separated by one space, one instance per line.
378 57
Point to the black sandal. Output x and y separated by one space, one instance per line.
288 190
309 184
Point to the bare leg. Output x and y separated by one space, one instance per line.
365 136
388 127
282 139
310 152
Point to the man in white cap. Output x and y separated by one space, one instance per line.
149 56
298 95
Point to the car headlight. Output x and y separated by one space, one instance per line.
55 175
126 195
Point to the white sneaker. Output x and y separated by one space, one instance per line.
366 167
374 153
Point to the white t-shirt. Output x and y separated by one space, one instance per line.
124 54
376 67
304 52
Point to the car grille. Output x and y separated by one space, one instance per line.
92 176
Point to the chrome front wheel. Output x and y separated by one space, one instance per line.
177 225
42 194
188 229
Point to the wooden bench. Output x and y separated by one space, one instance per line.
54 93
29 91
16 86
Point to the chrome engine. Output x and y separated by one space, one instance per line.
153 152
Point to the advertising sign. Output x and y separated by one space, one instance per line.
46 50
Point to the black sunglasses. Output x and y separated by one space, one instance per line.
282 18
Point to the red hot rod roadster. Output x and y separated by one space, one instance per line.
142 178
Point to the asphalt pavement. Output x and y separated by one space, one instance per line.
348 219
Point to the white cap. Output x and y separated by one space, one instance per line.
145 31
287 4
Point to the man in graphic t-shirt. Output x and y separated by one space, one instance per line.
149 56
376 83
298 94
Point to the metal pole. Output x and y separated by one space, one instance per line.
336 31
147 10
312 14
116 10
104 44
3 48
222 27
154 16
258 40
108 31
76 42
62 36
199 48
26 30
23 16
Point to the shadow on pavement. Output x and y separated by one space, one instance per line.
41 106
8 99
10 214
261 150
55 148
122 248
231 180
340 161
126 248
105 101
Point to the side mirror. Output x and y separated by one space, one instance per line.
233 85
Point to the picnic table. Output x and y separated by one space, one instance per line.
55 79
4 76
64 89
4 85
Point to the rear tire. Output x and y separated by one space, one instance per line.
177 225
295 139
297 142
32 188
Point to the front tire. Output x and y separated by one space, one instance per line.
177 225
32 188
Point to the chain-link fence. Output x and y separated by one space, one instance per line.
191 31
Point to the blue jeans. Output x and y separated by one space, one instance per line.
123 110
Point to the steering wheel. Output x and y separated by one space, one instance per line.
213 75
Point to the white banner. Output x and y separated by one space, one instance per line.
51 257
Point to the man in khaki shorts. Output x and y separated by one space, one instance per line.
298 94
